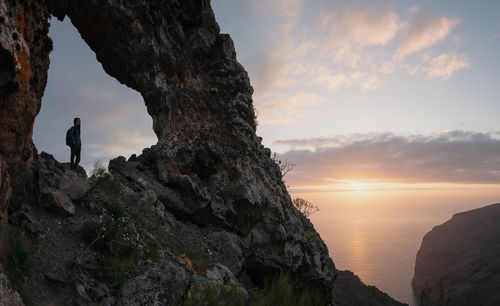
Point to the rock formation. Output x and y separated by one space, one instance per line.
458 261
351 291
208 179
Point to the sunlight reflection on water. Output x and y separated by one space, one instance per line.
377 236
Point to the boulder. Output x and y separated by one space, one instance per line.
58 201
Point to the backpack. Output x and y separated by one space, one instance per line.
68 137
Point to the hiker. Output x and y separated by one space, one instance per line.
75 143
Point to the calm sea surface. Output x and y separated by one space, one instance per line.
377 234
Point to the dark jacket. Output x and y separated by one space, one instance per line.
75 135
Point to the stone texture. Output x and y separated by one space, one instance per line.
5 195
24 50
55 176
458 261
162 284
58 201
8 296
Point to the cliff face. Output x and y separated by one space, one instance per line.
458 261
208 167
204 206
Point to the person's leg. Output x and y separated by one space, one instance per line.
71 161
77 153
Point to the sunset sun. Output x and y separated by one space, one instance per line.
356 186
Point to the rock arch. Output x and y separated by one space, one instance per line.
200 100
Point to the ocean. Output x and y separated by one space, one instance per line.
376 234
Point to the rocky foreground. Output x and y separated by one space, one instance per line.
459 261
110 240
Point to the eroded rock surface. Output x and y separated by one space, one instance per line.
8 296
208 179
458 261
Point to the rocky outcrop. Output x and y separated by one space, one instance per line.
351 291
209 165
24 58
458 261
208 179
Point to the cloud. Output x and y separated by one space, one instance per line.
360 26
281 109
303 47
446 157
444 65
422 31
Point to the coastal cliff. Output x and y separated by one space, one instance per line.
458 261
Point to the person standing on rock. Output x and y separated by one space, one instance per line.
75 143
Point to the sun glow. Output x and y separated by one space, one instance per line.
356 186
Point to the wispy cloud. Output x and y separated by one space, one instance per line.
447 157
307 48
444 65
423 30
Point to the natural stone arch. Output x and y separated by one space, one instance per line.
199 97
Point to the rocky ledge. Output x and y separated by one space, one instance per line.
458 261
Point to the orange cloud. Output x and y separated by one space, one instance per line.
446 157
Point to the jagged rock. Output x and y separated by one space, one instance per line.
351 291
93 291
8 296
55 176
24 61
162 284
58 201
192 85
25 219
227 249
221 275
458 261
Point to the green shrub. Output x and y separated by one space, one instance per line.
113 238
281 292
116 209
211 295
19 261
112 183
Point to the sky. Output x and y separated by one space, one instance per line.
388 109
381 91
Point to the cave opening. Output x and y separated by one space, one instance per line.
114 117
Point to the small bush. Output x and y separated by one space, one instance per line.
113 238
211 295
116 209
281 292
111 182
305 207
19 261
